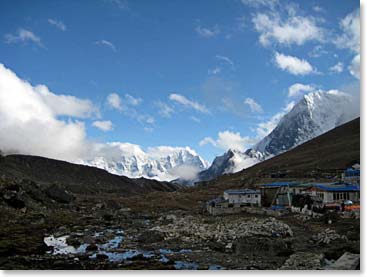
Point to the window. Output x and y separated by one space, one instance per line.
256 195
248 196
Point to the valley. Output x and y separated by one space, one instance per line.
56 215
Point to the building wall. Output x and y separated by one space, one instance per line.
243 198
336 197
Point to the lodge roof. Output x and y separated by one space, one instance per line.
242 191
336 187
280 184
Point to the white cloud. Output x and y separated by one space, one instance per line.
194 118
185 172
294 30
164 109
103 125
207 32
114 101
260 3
355 67
207 140
66 104
58 24
228 140
107 43
214 71
297 90
318 9
23 35
350 37
188 103
131 100
254 106
225 59
265 128
337 68
293 65
29 125
127 107
317 51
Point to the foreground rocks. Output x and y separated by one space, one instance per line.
327 236
304 261
192 229
152 238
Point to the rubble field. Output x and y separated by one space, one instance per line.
109 232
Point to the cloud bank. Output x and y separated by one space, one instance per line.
29 121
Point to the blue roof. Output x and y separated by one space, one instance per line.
242 191
280 184
337 187
351 172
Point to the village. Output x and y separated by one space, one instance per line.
309 198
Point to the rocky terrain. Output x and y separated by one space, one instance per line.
56 215
57 229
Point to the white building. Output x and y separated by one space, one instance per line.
242 197
335 193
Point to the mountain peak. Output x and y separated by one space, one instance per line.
161 163
314 114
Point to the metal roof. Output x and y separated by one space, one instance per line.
337 187
280 184
242 191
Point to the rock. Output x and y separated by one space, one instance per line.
92 247
150 237
327 236
100 256
107 217
260 246
216 246
303 261
58 194
13 199
99 205
112 204
171 217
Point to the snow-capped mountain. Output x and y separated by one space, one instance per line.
162 163
230 162
315 114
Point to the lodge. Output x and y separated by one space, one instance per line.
336 193
243 197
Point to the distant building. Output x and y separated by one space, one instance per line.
335 192
352 175
234 201
243 197
280 193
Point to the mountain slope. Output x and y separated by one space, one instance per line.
76 178
160 163
327 154
315 114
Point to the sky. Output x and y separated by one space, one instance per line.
207 74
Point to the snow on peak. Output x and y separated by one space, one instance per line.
163 163
314 114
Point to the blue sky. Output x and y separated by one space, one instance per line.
204 74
